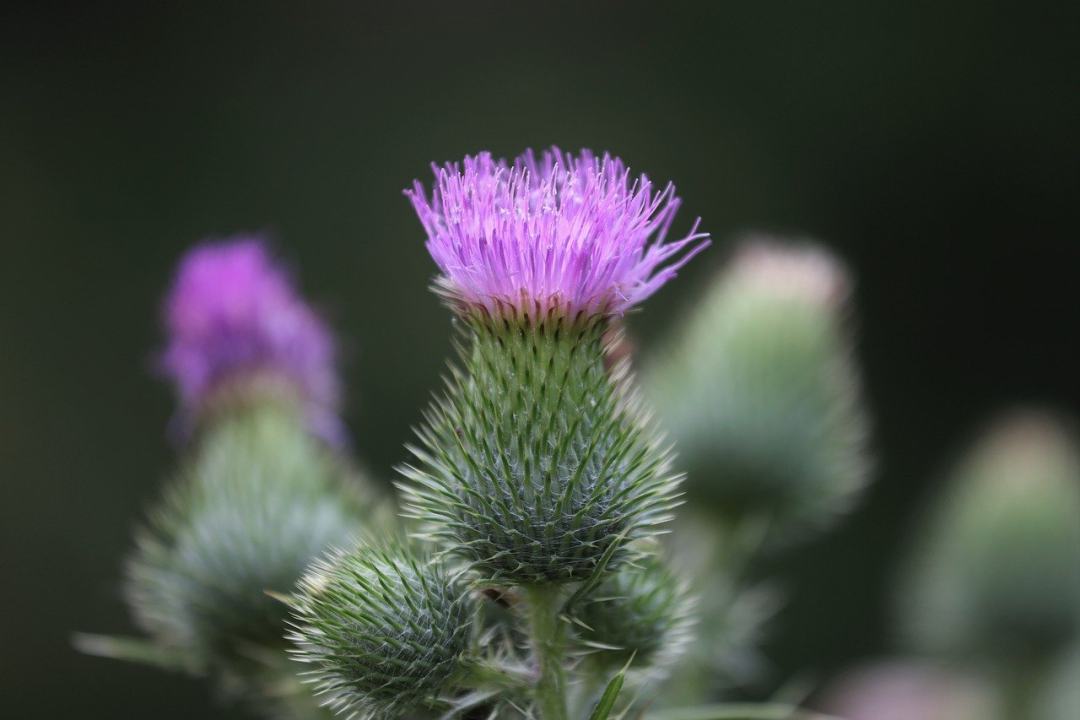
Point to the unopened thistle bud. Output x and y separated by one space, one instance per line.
996 572
760 393
642 614
257 500
538 459
386 633
237 326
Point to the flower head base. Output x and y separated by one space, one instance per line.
563 233
233 314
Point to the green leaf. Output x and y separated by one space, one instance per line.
136 650
607 700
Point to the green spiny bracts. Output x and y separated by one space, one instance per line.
995 576
538 460
386 632
256 501
760 393
642 611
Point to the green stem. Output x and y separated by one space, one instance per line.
548 643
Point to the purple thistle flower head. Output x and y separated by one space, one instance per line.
234 315
556 233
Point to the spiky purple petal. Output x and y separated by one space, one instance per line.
578 234
232 313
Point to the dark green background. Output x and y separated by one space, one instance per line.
936 146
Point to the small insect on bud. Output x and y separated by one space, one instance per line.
385 632
995 575
539 459
760 393
642 611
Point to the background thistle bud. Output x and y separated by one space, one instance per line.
385 632
759 391
258 499
911 691
538 459
258 496
995 576
642 611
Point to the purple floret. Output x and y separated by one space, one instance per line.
233 313
573 234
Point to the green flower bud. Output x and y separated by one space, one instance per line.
537 462
256 501
385 632
760 393
996 574
642 611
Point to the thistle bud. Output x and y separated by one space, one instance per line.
995 575
760 393
538 461
386 633
642 614
254 503
907 691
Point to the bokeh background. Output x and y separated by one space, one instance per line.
935 146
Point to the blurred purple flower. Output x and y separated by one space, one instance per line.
233 314
555 232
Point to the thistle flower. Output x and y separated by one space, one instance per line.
760 392
995 576
539 461
555 233
234 318
642 614
385 632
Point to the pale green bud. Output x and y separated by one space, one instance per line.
642 614
760 393
254 503
996 571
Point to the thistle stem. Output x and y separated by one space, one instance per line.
548 638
